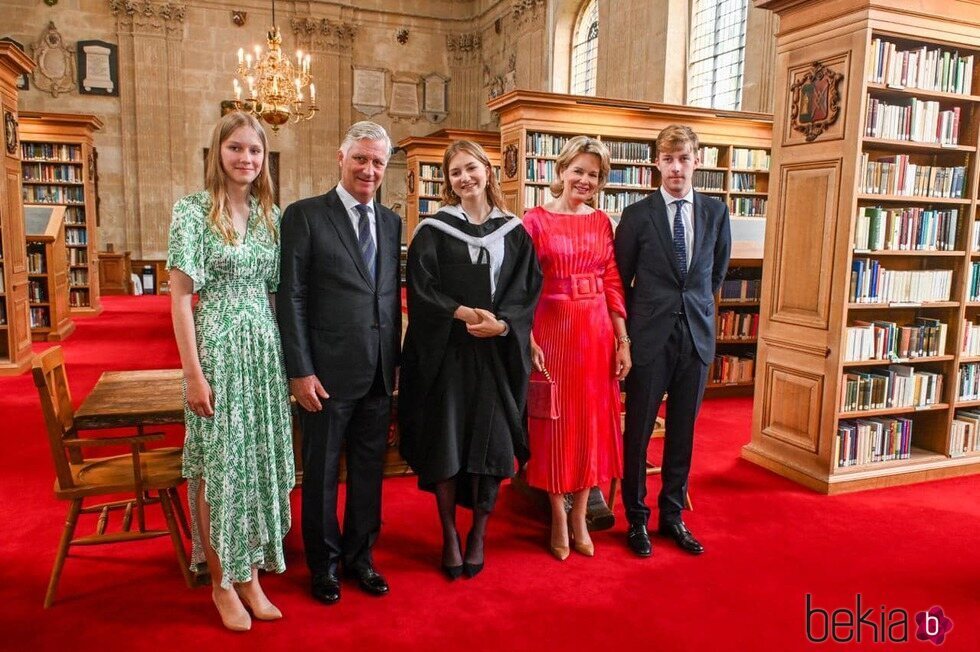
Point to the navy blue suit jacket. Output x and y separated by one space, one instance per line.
652 279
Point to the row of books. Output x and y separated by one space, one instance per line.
1 280
744 181
78 256
78 297
37 291
36 262
974 293
430 187
747 206
708 156
628 151
615 202
934 69
896 175
919 121
896 386
3 312
78 277
633 175
540 169
872 283
885 340
60 152
430 171
75 215
964 436
76 236
429 206
731 324
53 194
39 317
968 382
866 441
971 339
756 159
735 289
535 196
726 369
709 180
545 144
52 172
906 229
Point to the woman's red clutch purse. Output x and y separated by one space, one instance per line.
542 397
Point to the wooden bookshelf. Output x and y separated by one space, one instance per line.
15 334
58 168
820 279
424 163
47 272
736 306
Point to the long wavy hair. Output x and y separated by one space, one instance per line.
215 178
494 196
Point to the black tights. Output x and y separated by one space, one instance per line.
452 554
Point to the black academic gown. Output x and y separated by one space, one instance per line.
462 398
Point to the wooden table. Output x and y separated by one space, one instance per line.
124 399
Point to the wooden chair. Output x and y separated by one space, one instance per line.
138 473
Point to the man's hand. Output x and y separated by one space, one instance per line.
308 392
488 326
466 315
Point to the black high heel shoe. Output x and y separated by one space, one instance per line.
470 569
453 572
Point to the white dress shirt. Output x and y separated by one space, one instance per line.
687 217
349 202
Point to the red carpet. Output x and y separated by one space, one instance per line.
769 544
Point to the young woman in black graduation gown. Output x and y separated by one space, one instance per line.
473 284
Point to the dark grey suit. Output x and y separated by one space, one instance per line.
344 326
671 322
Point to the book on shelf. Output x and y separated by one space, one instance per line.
709 180
39 317
540 169
614 201
897 386
923 67
53 194
976 236
747 206
974 292
539 144
755 159
885 340
906 229
866 441
708 156
915 120
40 172
897 175
968 382
731 324
429 206
3 312
51 152
634 175
872 283
743 181
964 433
728 369
77 256
78 297
971 338
430 171
733 289
629 151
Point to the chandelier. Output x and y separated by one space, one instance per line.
274 84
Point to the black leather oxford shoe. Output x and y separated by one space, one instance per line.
682 536
638 540
370 580
326 588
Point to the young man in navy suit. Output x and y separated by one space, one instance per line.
672 249
339 310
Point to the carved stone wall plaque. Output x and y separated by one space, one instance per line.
98 68
404 99
55 72
435 89
369 90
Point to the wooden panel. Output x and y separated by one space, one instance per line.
791 410
805 239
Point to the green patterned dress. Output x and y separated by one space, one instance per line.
244 452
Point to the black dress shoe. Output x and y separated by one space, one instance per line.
326 588
682 536
472 570
638 540
370 580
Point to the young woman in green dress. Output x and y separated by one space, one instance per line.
237 451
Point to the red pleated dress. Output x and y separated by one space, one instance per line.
583 447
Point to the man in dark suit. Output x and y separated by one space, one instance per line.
339 310
672 249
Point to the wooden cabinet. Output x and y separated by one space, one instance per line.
115 276
15 334
47 273
424 163
871 272
59 169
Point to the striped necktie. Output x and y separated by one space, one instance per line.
680 248
364 239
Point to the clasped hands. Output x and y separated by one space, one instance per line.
480 322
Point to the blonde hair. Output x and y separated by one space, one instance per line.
574 147
215 178
674 137
494 196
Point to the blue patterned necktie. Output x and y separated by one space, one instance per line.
364 239
680 249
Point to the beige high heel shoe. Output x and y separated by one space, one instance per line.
236 620
266 611
560 552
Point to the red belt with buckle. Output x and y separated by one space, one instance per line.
576 286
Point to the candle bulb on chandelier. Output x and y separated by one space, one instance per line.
258 53
248 60
306 64
312 94
241 55
238 90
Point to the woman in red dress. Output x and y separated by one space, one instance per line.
580 337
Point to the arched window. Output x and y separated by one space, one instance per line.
585 50
717 59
